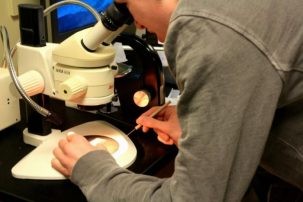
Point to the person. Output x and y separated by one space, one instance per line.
235 63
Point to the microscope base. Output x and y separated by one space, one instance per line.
36 140
37 164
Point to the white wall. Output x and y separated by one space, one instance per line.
10 20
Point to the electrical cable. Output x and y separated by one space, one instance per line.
13 74
3 62
60 3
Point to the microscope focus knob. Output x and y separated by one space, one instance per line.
32 82
72 88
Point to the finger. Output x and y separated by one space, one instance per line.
70 133
63 142
149 122
74 137
165 140
63 145
145 129
62 157
59 167
71 136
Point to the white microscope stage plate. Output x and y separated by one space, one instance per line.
37 164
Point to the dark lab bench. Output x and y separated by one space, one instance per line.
153 158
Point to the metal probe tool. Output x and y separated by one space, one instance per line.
152 115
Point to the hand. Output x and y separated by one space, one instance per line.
165 124
69 151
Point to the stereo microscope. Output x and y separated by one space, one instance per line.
82 70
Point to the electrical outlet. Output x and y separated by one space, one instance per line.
13 5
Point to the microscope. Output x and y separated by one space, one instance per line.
81 70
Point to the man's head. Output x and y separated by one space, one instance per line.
153 15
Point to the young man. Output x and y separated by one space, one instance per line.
233 61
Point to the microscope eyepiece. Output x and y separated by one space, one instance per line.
113 22
115 16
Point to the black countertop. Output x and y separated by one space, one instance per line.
152 157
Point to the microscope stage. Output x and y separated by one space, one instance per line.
37 164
